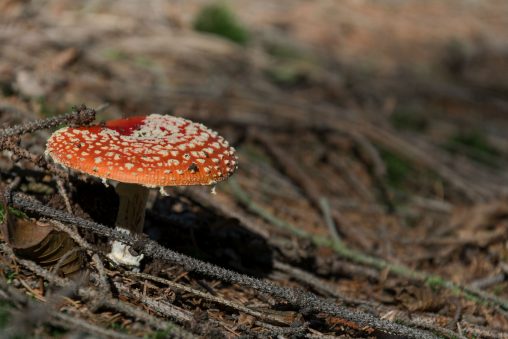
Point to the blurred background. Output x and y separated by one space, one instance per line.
383 122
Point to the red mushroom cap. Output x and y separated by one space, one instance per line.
153 150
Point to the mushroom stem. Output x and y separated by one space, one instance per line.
131 212
130 218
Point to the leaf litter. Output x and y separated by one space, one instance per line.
341 221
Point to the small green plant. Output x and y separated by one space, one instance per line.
435 282
474 145
13 211
10 276
219 20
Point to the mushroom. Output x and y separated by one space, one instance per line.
139 153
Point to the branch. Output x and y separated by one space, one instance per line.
218 300
79 116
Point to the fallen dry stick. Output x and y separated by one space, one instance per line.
221 301
80 116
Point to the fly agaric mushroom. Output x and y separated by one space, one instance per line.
140 153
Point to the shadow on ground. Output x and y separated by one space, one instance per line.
183 227
179 225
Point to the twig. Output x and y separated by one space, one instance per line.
10 187
371 159
318 335
475 331
79 116
216 299
38 160
5 200
369 154
290 167
284 331
327 216
310 280
161 307
102 107
488 281
301 299
103 280
63 193
73 234
429 324
63 258
65 321
342 167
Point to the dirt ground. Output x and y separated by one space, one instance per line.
371 198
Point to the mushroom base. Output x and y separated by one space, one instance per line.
120 254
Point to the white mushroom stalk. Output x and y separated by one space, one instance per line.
130 218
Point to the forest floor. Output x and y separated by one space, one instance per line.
371 198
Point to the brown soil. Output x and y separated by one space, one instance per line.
373 168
